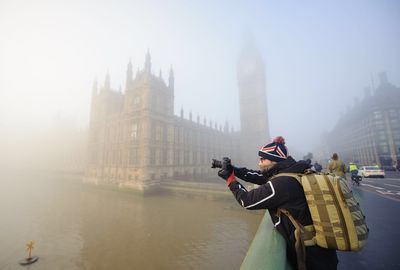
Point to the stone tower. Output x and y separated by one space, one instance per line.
254 124
148 115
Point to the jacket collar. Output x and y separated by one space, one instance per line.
290 165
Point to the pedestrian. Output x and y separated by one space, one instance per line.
336 166
282 192
317 167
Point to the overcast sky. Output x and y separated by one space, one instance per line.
319 56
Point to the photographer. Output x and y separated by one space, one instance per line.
281 192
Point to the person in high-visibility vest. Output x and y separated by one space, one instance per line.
352 167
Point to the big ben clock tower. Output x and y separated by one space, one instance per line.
254 124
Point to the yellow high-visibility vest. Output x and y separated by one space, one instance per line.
352 167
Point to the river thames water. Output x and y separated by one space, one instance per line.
79 226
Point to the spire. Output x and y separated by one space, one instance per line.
147 64
181 112
190 115
107 81
198 119
129 75
226 127
171 79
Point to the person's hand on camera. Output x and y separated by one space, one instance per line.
227 164
226 172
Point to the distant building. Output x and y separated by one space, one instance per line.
254 124
135 140
369 133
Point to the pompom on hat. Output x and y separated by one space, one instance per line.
274 151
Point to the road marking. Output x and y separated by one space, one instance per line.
372 186
392 185
384 192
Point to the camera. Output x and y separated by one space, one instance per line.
219 164
216 163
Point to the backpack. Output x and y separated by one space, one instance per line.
318 167
338 222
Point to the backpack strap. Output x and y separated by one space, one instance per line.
304 235
297 176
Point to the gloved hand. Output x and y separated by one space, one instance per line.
226 171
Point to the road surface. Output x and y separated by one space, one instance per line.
380 201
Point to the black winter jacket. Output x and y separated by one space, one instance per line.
287 193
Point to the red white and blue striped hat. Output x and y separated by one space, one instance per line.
274 151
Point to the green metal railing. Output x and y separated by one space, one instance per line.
268 249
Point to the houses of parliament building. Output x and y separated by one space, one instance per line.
136 140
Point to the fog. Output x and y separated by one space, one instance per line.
319 57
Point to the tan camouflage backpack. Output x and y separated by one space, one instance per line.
338 222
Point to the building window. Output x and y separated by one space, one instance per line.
157 157
379 124
158 133
186 158
176 136
181 135
176 157
181 158
382 137
158 103
152 156
384 149
170 157
395 123
134 131
133 156
170 134
377 115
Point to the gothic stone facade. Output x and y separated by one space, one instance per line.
135 140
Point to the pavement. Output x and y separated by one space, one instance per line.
380 201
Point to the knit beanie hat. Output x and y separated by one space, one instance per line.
274 151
